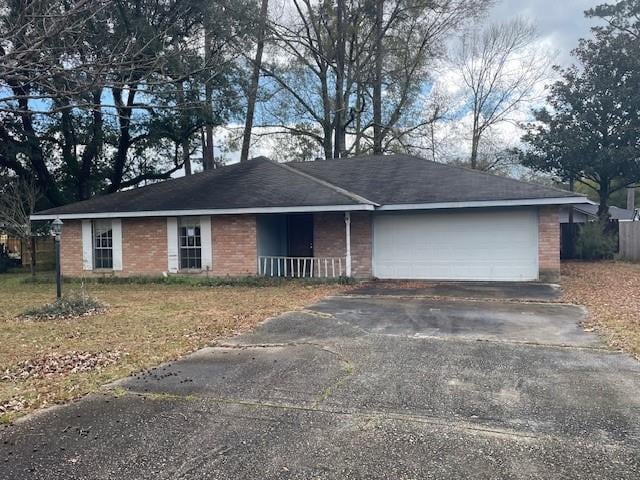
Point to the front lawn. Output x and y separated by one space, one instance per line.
611 292
49 362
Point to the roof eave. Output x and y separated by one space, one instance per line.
525 202
209 211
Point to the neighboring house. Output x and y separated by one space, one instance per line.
20 251
585 213
10 245
588 212
392 216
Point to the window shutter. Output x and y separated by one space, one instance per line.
87 245
116 234
172 244
205 242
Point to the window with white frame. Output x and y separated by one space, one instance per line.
102 244
190 244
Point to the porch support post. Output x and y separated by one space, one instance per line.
347 221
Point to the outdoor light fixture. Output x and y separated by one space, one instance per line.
56 229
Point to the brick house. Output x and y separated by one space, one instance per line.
392 216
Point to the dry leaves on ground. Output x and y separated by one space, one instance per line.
59 363
49 366
152 323
611 292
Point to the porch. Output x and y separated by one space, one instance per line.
304 245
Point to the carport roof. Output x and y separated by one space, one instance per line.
387 182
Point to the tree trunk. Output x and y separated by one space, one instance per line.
34 152
184 127
327 117
92 150
327 144
377 81
603 208
123 111
32 251
339 119
208 159
186 156
475 142
255 80
358 122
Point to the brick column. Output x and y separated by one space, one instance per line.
329 239
549 244
71 248
235 247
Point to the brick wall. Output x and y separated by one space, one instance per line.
71 248
234 245
144 246
549 244
329 239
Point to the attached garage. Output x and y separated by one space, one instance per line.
470 244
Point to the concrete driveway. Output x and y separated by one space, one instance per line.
481 382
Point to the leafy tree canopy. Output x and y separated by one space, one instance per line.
591 130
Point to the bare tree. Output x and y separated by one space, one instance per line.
377 78
351 71
500 68
18 198
255 80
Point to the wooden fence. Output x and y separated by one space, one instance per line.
629 240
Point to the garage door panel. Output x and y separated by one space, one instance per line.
483 245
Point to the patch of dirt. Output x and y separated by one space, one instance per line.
611 292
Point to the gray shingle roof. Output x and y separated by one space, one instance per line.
261 183
616 213
402 179
256 183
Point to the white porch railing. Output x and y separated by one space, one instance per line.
302 267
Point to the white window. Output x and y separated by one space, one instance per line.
190 244
103 244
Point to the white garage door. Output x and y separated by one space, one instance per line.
469 245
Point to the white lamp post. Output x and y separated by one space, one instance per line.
56 229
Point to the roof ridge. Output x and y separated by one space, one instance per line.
335 188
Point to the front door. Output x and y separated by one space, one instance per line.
300 235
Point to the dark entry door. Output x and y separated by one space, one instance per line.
300 235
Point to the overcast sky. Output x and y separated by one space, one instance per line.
560 22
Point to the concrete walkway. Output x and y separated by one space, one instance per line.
371 385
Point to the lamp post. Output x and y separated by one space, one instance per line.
56 229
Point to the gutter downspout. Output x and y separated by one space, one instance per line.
347 221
